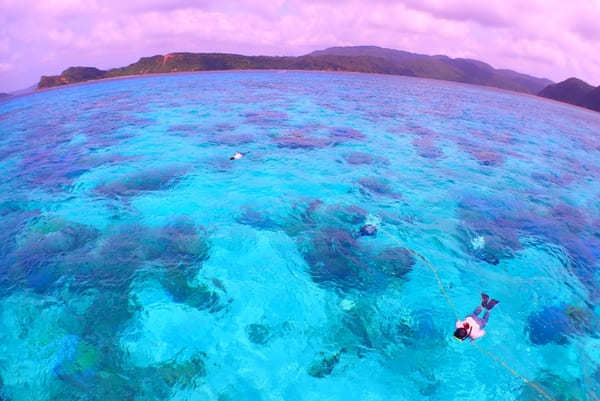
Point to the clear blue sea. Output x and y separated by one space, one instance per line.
137 262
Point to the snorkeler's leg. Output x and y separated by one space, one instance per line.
477 310
484 321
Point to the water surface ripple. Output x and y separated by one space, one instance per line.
139 263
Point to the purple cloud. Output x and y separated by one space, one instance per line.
549 38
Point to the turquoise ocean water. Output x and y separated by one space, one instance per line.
139 263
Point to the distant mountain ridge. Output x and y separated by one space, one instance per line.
574 91
369 59
446 68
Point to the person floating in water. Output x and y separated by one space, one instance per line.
237 156
368 230
473 325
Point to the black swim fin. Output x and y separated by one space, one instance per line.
492 303
484 300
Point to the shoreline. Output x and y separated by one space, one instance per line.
175 73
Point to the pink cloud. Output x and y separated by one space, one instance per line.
549 38
485 13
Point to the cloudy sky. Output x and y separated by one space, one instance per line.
556 39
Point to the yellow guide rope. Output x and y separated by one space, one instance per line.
453 308
451 304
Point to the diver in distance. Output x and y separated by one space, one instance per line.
238 155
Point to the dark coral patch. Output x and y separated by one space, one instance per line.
425 142
350 214
501 137
80 365
358 158
486 156
185 129
491 244
333 258
300 140
55 236
112 265
558 324
394 262
427 148
378 186
501 223
569 217
548 325
43 256
552 178
267 118
490 232
177 248
255 219
258 333
182 243
343 134
201 297
146 181
224 127
157 381
560 388
324 365
232 140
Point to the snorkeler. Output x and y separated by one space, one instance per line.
473 325
237 156
368 230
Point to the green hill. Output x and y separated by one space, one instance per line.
574 91
369 59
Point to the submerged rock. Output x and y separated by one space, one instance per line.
324 365
258 333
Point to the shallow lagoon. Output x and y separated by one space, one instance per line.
139 262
